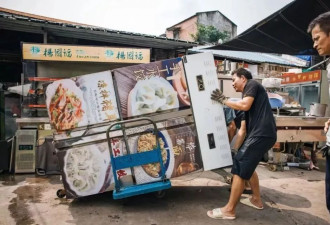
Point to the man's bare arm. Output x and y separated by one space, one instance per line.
242 105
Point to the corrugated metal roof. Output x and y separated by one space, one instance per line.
11 18
253 57
282 32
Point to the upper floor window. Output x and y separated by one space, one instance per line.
176 34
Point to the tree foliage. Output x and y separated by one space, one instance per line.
209 34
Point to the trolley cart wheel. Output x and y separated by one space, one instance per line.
61 193
160 194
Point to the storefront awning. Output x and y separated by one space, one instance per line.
283 32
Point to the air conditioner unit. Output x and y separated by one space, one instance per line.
25 151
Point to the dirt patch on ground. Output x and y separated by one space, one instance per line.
8 180
19 205
37 180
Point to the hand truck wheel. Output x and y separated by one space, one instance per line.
160 194
61 193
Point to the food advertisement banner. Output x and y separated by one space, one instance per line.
187 143
152 87
180 154
179 150
86 170
86 167
74 53
81 101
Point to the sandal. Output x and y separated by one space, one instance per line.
217 214
247 201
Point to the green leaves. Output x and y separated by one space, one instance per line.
209 34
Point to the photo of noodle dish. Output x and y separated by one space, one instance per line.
65 104
85 170
151 95
147 142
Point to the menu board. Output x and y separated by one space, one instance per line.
81 101
152 87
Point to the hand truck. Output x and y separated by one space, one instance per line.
136 159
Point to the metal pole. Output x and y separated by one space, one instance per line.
2 115
324 61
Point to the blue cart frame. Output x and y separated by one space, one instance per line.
131 160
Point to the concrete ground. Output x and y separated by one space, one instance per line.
290 197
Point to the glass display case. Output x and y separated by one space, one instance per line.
293 92
304 94
309 94
306 88
33 98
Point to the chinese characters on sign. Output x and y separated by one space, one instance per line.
57 52
130 55
301 77
107 106
116 152
144 74
84 53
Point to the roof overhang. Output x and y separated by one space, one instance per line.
37 26
283 32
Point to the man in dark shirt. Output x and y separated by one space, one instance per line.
260 137
320 30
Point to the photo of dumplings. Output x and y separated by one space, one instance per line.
85 169
152 95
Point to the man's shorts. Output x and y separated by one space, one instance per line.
229 115
250 154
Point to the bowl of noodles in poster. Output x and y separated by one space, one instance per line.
152 171
65 105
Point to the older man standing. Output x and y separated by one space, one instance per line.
320 30
260 137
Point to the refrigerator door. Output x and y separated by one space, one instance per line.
309 93
209 116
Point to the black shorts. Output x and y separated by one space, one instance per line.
250 154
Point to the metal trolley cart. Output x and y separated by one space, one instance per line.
130 160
